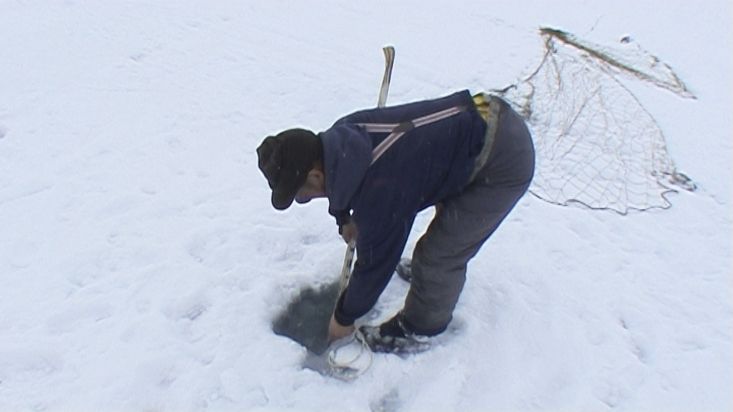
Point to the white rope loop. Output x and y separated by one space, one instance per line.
349 369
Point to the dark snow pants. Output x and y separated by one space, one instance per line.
463 223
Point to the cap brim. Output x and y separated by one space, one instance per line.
281 200
283 195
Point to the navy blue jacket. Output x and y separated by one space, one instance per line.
428 164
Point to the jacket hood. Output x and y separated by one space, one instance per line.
347 154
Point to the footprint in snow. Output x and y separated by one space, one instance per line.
190 308
390 402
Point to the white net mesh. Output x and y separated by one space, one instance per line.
596 144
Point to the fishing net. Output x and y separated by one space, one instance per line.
596 144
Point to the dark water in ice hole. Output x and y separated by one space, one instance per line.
305 319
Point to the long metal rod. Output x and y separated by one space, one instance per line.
389 55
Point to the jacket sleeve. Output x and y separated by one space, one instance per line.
342 217
379 248
347 151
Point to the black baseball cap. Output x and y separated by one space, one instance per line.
285 159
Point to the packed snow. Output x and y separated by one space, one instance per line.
142 265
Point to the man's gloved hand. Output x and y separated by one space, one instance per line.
349 232
337 331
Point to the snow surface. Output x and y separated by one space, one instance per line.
141 264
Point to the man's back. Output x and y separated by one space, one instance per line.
432 161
